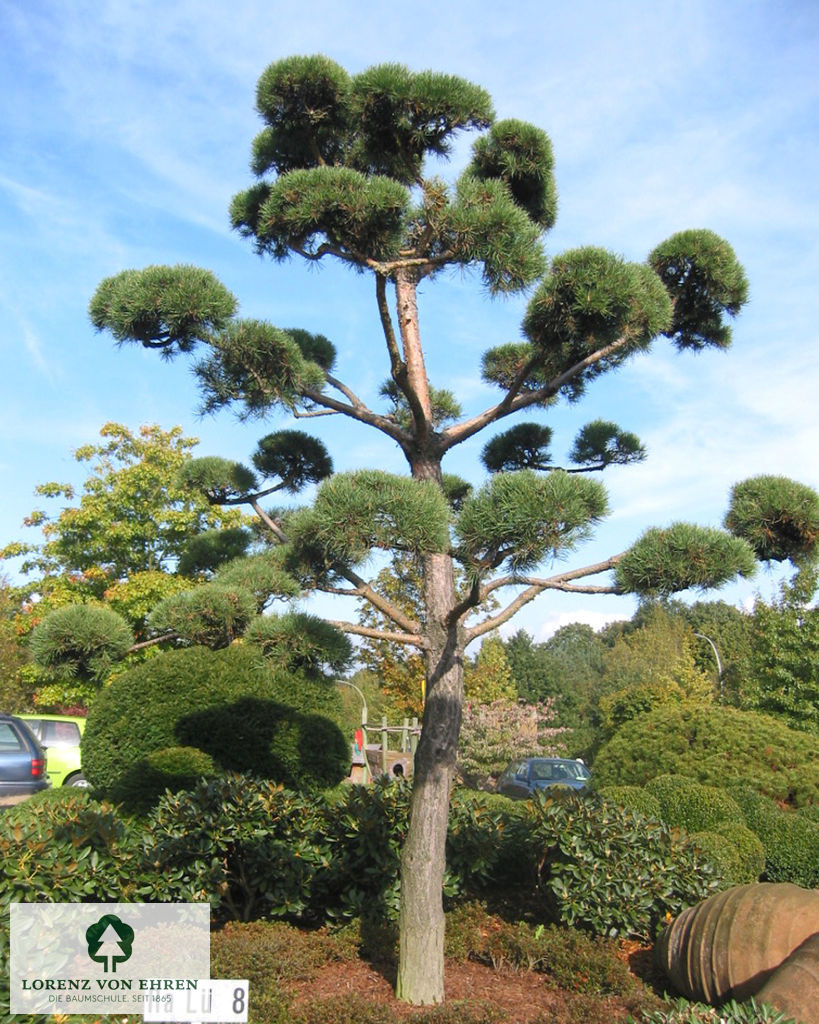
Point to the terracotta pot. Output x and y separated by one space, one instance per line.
793 988
728 946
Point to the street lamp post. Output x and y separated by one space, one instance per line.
702 636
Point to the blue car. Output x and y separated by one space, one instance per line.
523 778
22 762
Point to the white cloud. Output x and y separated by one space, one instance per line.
131 126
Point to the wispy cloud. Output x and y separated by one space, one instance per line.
130 129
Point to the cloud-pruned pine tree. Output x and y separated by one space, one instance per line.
342 173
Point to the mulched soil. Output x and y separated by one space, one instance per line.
524 997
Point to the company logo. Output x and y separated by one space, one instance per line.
103 958
110 942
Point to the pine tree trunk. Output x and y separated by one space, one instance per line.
421 961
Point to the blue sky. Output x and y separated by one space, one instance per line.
126 129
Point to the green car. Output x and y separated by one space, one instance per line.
60 736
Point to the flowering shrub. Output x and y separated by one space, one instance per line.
494 734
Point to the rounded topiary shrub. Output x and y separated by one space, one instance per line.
748 848
714 745
735 851
632 798
229 704
791 840
171 768
687 804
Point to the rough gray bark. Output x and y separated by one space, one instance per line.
421 958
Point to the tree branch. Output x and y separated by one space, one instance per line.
313 413
362 414
398 367
270 523
463 431
348 393
363 589
380 634
249 499
561 581
152 643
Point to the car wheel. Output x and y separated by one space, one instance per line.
78 780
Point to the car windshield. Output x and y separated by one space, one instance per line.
551 771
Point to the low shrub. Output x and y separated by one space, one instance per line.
690 805
67 847
251 848
632 798
791 840
607 870
571 959
685 1012
343 1009
266 953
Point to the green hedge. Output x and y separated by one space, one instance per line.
687 804
791 840
632 798
714 745
734 850
228 704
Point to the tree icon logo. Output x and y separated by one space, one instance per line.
110 942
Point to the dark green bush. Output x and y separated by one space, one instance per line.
228 704
475 839
749 851
365 830
171 768
714 745
687 804
607 870
791 840
251 848
720 851
632 798
66 847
